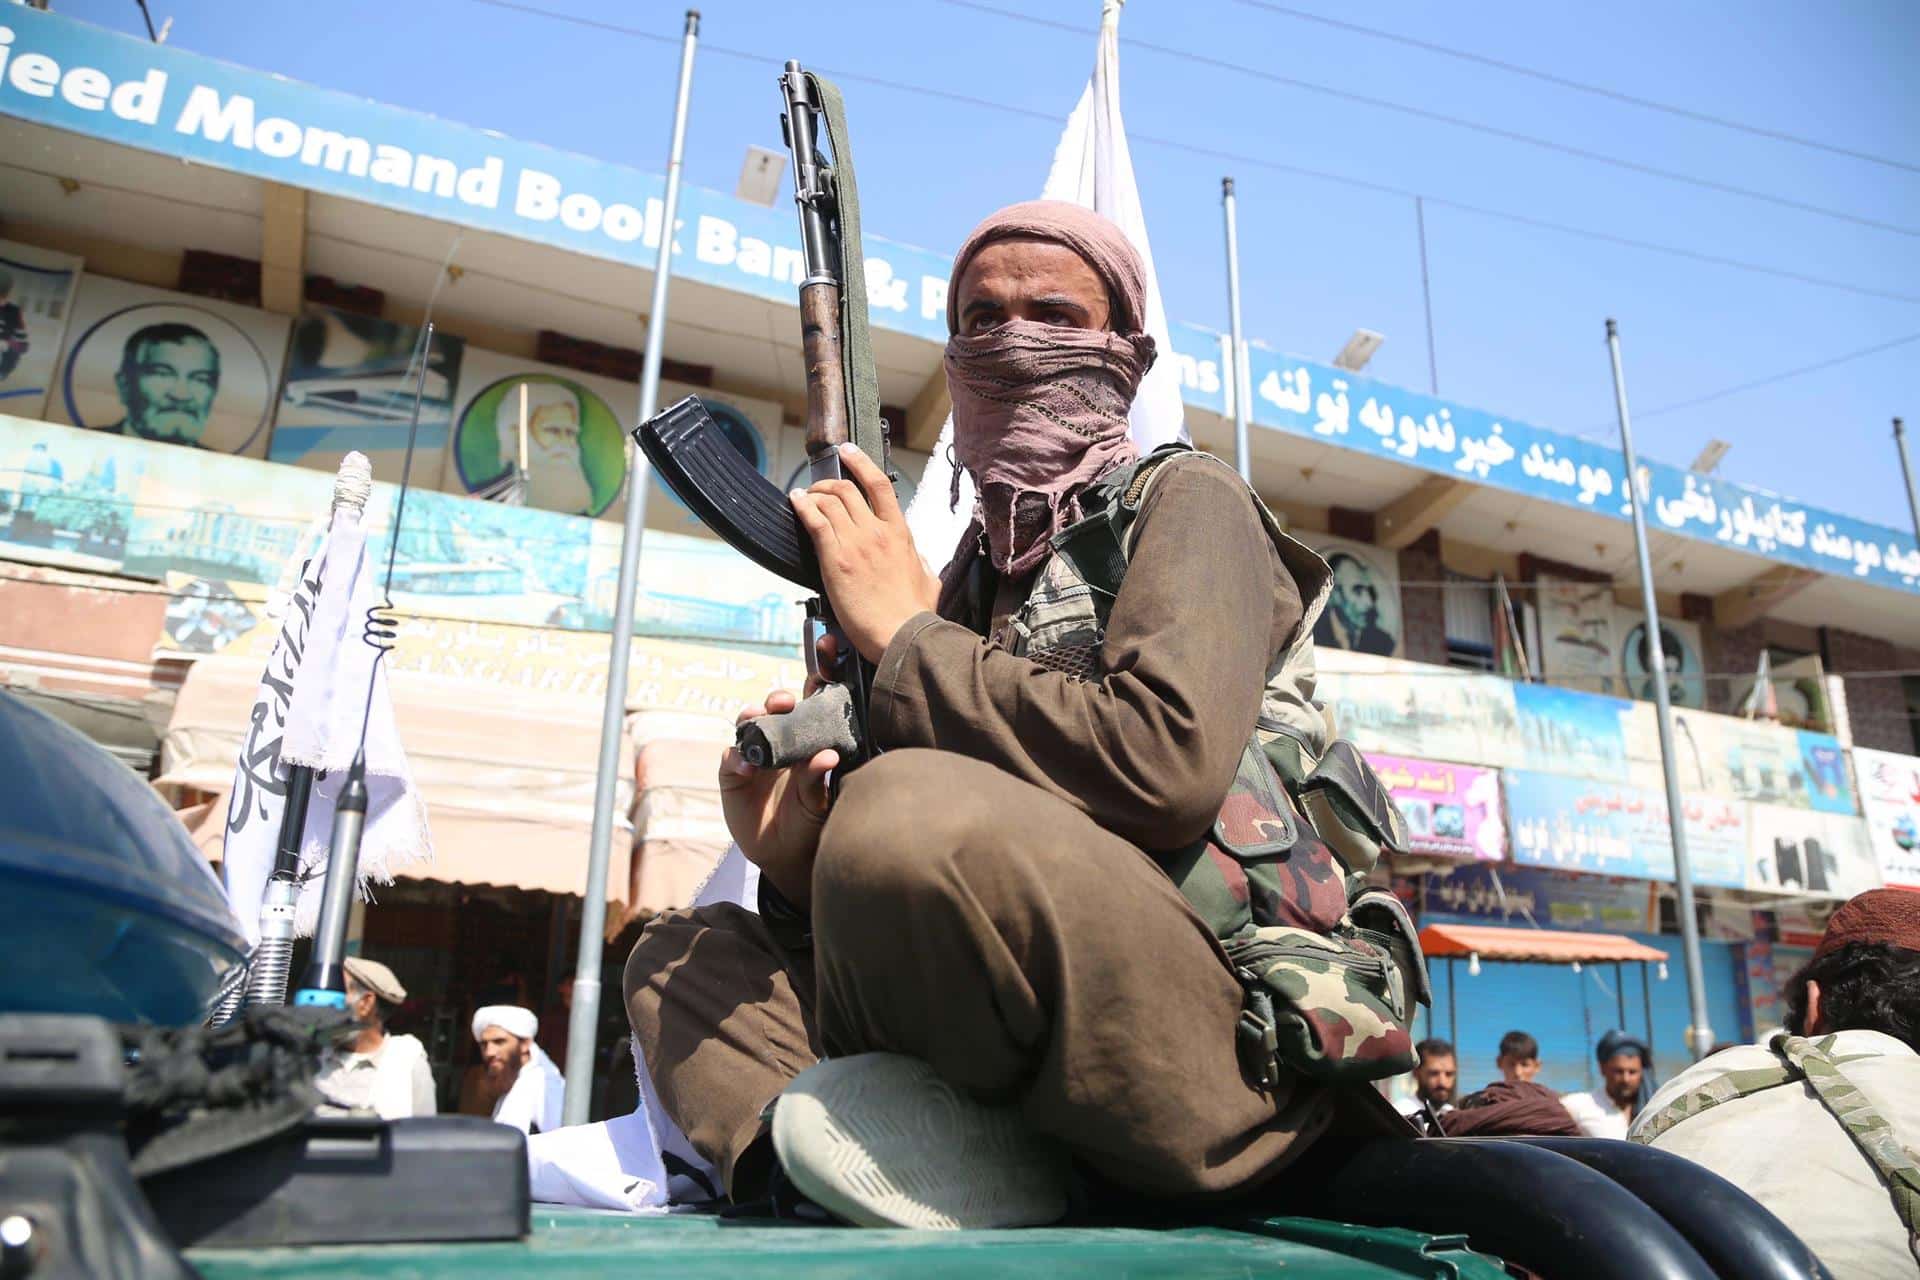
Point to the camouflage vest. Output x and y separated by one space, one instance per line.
1331 969
1813 1061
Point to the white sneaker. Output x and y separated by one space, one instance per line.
881 1141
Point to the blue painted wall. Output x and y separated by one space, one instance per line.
1568 1012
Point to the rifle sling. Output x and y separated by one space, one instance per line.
856 344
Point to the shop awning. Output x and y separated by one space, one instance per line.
507 774
1537 946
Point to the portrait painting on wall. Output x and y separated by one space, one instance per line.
169 367
572 456
1363 608
36 297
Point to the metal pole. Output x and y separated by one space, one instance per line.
583 1022
1242 387
1646 1008
1426 295
1906 471
1699 1032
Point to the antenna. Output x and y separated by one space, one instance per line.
324 983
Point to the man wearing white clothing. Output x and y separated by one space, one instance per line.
378 1071
1606 1112
530 1088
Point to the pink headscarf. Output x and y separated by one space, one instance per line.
1040 411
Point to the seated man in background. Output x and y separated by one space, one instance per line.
1607 1111
1822 1124
1433 1084
519 1072
378 1071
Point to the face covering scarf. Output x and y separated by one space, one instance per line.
1039 414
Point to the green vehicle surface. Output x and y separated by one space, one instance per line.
591 1245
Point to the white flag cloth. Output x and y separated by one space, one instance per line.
308 711
1091 167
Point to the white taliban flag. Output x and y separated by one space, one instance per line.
636 1162
308 711
1092 167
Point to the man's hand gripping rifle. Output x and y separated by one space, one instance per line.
733 499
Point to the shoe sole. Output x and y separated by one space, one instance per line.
880 1141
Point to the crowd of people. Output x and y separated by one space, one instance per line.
515 1082
1819 1121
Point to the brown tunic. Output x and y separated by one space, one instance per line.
1148 750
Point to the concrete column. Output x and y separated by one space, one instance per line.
283 249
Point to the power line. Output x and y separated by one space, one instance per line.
1581 86
1461 122
1259 162
1770 379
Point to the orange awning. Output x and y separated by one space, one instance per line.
1539 946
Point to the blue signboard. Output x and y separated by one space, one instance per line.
87 80
1322 403
1540 898
1572 824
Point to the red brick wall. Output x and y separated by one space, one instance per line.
1876 706
1423 607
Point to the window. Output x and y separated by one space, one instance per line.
1469 605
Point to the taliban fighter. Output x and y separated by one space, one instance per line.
974 915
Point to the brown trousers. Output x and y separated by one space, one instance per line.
971 920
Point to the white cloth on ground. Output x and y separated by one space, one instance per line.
1785 1149
395 1081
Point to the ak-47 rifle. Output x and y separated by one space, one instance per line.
747 510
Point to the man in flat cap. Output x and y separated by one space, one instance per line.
1821 1123
378 1071
531 1090
1004 980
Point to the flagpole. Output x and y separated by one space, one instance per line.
1239 364
584 1017
1700 1032
1906 471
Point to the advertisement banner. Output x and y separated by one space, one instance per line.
1567 731
1890 795
1577 634
1543 899
36 297
1363 610
1452 810
1802 851
1575 825
1745 759
351 382
87 500
1429 713
169 367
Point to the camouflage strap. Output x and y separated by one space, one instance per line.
1812 1061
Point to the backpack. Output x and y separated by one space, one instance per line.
1796 1059
1331 969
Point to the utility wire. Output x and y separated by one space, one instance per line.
1259 162
1461 122
1581 86
1770 379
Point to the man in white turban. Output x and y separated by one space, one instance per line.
556 472
530 1088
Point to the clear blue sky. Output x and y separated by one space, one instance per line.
1518 311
